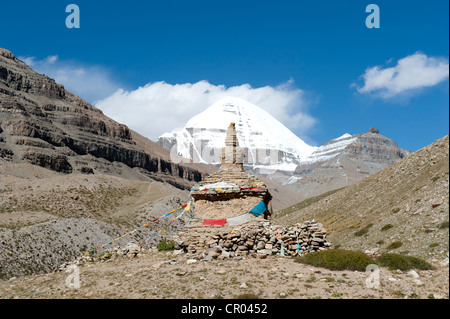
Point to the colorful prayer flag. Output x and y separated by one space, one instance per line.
258 209
220 222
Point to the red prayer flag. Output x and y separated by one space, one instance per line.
220 222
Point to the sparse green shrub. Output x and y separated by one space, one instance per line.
337 259
395 210
363 231
394 245
386 227
435 178
380 242
165 245
396 261
311 279
443 225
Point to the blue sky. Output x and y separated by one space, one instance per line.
314 57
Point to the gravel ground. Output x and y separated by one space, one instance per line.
165 275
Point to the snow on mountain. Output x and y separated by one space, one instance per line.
330 149
344 161
269 144
273 151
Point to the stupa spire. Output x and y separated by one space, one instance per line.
232 154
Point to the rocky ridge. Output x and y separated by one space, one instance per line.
345 161
403 208
44 124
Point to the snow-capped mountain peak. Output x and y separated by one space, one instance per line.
268 143
330 149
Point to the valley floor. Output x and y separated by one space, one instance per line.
165 275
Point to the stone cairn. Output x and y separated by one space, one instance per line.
257 238
131 250
243 191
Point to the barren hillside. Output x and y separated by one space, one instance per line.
47 218
404 208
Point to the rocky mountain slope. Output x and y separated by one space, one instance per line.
345 161
70 177
44 124
47 218
403 208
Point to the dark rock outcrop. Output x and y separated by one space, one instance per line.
346 161
44 124
375 147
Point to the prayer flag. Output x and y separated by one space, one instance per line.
258 209
220 222
240 219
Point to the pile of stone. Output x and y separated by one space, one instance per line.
131 250
257 239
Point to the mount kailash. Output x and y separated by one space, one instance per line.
272 150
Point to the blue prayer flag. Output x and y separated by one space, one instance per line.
258 209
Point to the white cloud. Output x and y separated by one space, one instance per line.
411 74
161 107
51 59
90 82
